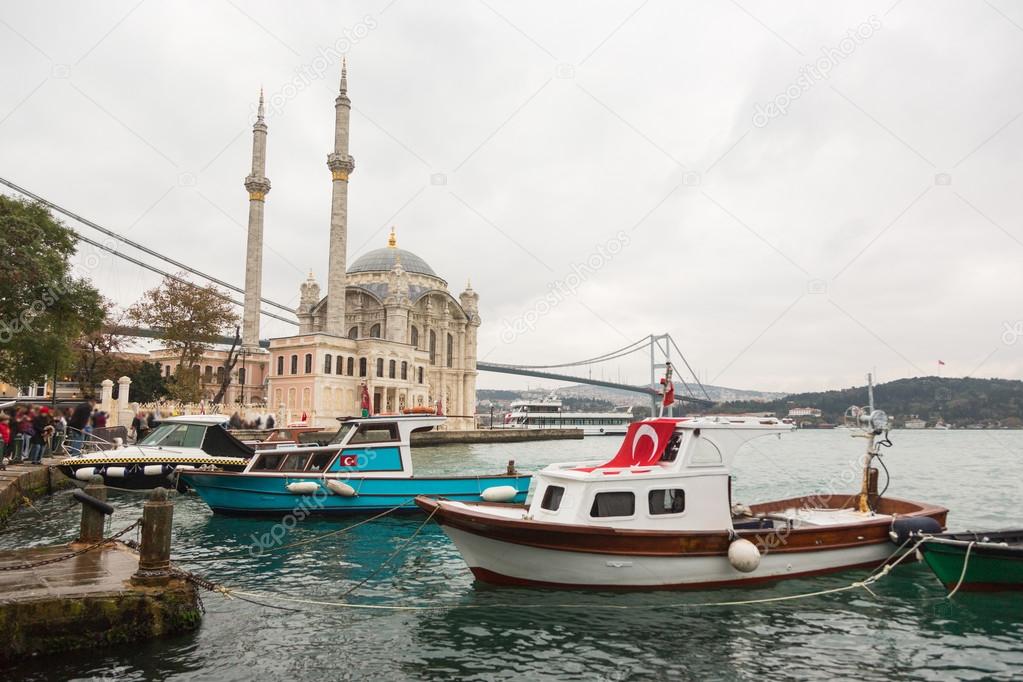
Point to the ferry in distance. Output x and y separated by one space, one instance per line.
549 414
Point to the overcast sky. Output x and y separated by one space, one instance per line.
797 192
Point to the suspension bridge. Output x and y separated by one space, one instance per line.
661 349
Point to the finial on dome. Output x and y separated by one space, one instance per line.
392 241
344 75
260 110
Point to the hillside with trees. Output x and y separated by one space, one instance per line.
958 401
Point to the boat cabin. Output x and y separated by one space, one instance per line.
207 433
669 474
369 446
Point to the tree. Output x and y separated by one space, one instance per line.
44 306
191 319
98 354
229 362
147 383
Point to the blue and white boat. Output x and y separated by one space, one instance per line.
366 467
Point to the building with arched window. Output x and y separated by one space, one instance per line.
386 309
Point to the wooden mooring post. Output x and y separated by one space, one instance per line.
154 552
93 519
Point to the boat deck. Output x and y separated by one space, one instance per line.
797 517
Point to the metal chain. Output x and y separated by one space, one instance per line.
65 557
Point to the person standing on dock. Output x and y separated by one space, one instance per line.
5 439
76 425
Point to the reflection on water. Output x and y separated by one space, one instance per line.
488 633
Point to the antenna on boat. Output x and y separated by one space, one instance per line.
875 423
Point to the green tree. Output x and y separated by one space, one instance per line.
147 383
191 318
44 306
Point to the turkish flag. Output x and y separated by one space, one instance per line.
669 392
644 443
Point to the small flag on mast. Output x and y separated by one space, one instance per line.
941 362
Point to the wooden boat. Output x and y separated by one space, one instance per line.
367 467
989 561
660 515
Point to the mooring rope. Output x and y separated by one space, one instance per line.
962 576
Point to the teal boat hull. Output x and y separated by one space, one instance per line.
240 494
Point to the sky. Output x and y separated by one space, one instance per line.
798 193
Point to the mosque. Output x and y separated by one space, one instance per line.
387 321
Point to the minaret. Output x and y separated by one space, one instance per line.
258 185
341 164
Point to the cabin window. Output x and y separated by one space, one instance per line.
308 363
267 463
295 461
613 504
320 460
294 364
552 497
375 433
171 435
341 433
327 361
704 453
671 451
668 501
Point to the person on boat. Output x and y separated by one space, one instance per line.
140 425
77 425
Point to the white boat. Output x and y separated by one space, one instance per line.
660 515
915 422
549 414
175 443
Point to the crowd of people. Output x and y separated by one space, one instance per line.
28 433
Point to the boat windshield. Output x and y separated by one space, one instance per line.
175 435
341 434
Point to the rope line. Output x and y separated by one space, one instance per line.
962 576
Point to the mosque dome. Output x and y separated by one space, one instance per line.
382 260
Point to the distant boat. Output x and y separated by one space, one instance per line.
942 426
549 414
915 422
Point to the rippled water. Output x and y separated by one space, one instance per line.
487 633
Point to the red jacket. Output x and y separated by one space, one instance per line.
5 433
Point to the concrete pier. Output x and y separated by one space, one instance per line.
27 481
103 597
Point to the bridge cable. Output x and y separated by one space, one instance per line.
589 361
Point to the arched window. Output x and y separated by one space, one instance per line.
374 331
404 370
380 367
391 369
362 367
351 367
280 365
339 365
220 374
294 364
414 336
241 376
420 375
433 347
208 374
353 333
308 363
451 351
327 360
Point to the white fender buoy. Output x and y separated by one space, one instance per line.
341 488
302 487
743 555
116 472
85 473
499 493
153 469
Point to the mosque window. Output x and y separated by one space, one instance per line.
391 369
451 351
362 367
404 370
308 363
380 367
374 331
420 375
353 333
294 364
351 366
414 337
280 365
433 347
327 360
339 365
